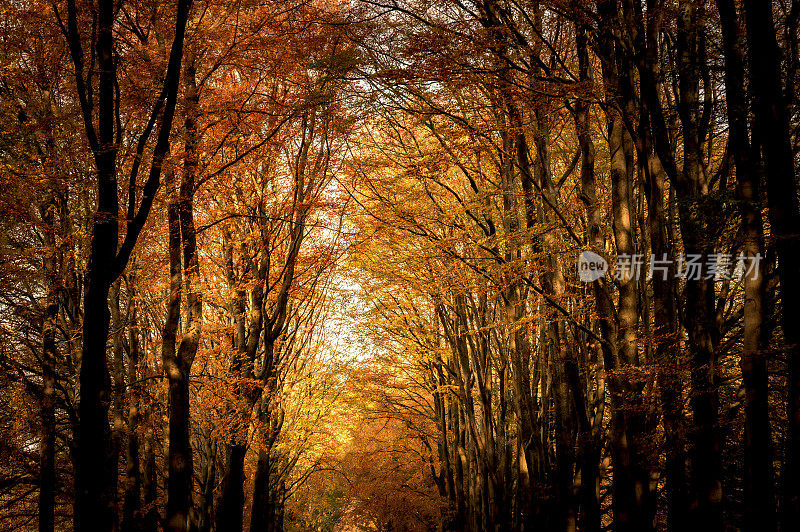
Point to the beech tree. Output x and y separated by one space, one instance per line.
484 265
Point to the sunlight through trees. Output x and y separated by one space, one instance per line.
391 265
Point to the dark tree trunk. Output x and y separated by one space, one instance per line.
94 509
131 521
247 335
231 500
93 481
268 490
94 489
692 191
758 488
179 463
651 135
177 359
117 391
151 517
47 451
179 482
630 487
208 483
772 121
590 518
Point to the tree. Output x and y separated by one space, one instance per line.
109 258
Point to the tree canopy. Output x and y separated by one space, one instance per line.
388 265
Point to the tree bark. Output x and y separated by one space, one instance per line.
630 485
47 451
131 521
692 191
94 493
178 360
590 517
758 487
231 500
771 116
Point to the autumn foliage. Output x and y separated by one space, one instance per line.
325 266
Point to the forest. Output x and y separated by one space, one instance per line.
399 265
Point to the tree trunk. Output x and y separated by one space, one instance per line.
131 521
179 482
692 189
589 453
178 362
784 215
95 501
630 488
759 504
207 485
117 391
94 490
149 481
47 472
246 340
231 500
